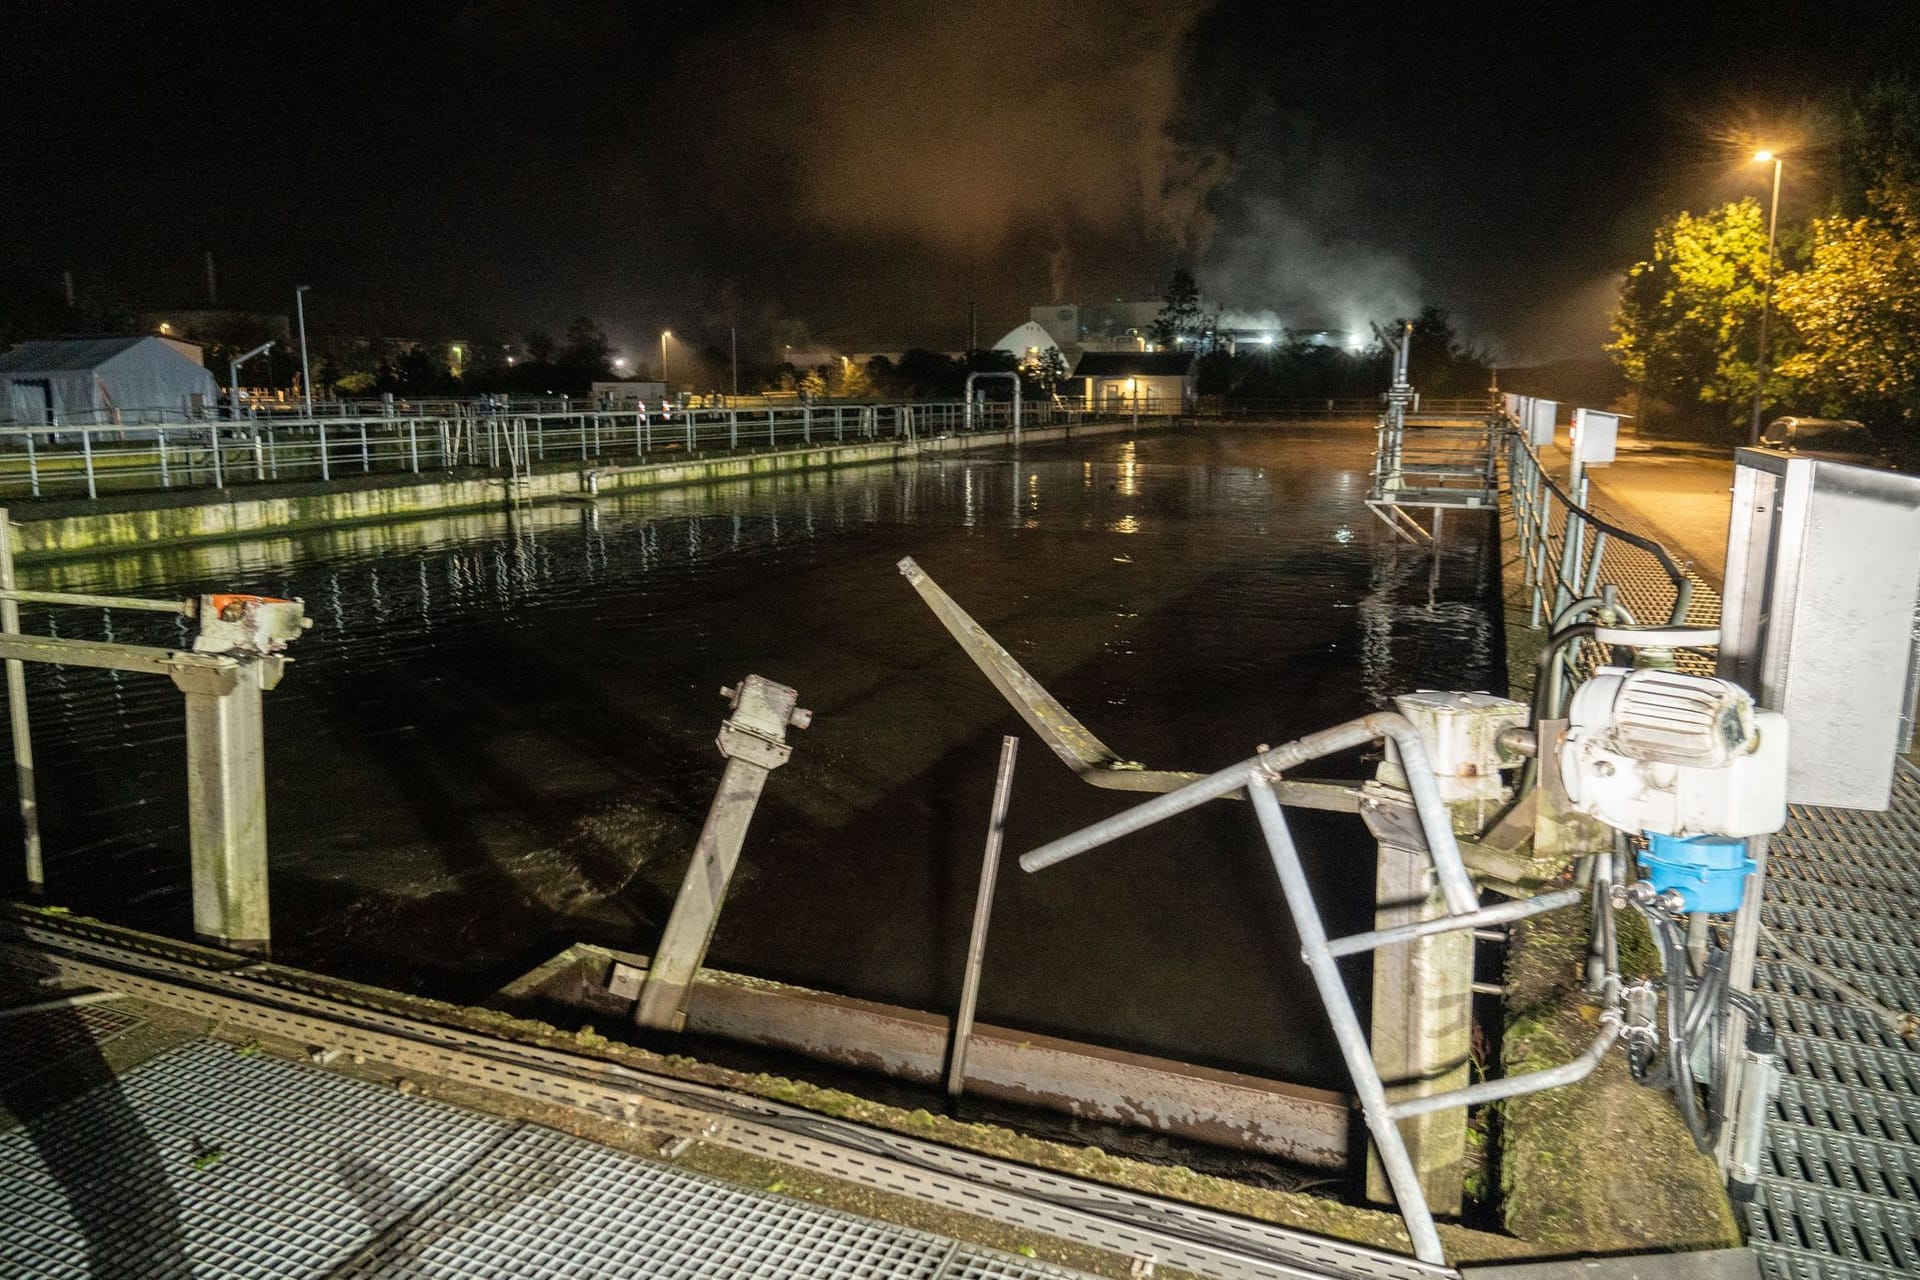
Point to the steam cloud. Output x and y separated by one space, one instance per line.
962 126
1270 257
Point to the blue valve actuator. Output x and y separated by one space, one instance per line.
1710 872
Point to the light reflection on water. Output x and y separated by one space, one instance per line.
497 739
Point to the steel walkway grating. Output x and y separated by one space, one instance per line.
217 1163
35 1042
1846 1232
1842 1193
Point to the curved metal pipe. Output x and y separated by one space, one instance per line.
1456 886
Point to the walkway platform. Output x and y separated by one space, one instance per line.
216 1160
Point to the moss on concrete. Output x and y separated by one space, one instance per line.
1604 1166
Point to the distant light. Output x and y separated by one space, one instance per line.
166 328
1266 339
1355 343
1762 156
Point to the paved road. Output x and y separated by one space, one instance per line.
1684 492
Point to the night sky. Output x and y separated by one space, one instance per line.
861 171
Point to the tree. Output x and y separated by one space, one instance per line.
1856 311
1046 369
1441 363
586 356
1181 316
1686 332
851 381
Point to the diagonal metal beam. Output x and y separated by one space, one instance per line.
1075 744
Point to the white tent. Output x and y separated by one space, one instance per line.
101 381
1027 340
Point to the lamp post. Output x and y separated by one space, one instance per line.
1766 297
664 335
306 376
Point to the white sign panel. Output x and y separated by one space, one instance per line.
1595 435
1539 421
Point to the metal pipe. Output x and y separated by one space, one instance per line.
1456 886
1740 967
1513 1086
1347 1031
185 608
306 375
982 912
1499 913
62 1002
1662 637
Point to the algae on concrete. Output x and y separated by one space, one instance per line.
1606 1165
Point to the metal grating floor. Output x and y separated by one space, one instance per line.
35 1042
211 1162
1841 1197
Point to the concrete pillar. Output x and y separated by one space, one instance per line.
227 798
1422 1030
754 741
1422 1034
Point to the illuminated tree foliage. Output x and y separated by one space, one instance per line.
1856 307
1046 369
851 381
1686 332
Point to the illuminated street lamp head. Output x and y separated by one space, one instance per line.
666 333
1762 156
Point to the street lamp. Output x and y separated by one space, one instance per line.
306 377
664 335
1766 296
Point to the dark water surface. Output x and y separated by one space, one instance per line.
497 738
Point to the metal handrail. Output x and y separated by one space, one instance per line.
39 459
1559 568
1259 776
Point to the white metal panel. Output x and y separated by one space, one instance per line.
1823 571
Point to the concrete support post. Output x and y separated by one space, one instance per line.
1422 1026
1422 1034
227 797
17 714
754 741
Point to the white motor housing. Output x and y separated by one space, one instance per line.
1676 754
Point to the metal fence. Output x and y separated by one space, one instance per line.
77 458
1575 562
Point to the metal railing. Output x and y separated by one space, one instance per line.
1574 561
73 458
1259 776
